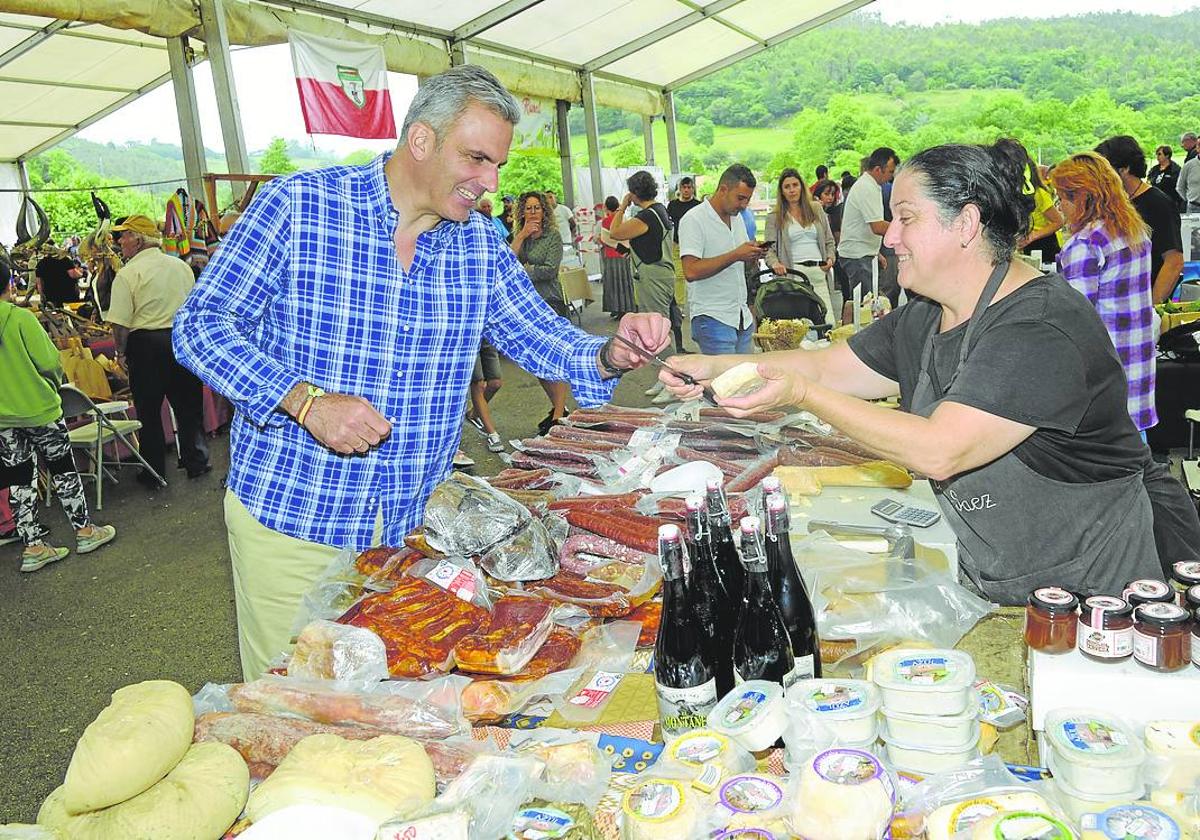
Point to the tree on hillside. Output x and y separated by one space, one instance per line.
276 160
71 212
629 153
359 158
701 133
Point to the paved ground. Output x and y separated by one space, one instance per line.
155 603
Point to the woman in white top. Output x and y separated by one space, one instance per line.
802 239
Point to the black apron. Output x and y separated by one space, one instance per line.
1018 530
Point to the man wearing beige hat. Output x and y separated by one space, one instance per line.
146 293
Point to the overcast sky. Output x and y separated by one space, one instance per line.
270 106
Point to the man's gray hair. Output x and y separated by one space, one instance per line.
443 98
1190 135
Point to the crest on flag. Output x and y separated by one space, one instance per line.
352 84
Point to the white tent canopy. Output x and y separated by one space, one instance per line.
66 63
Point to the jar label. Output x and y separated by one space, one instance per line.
744 707
1187 569
924 670
835 698
1106 644
748 794
1026 824
541 824
699 749
1145 648
684 709
1053 595
1130 822
1093 736
1170 612
1148 589
847 767
657 800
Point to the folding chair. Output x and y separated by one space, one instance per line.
102 430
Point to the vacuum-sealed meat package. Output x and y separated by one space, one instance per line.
519 626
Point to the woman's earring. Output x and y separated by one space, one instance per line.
963 244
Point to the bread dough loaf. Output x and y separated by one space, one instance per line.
134 741
371 777
738 380
200 798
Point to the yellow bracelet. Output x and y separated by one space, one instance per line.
313 393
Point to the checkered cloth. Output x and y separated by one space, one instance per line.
308 287
1115 276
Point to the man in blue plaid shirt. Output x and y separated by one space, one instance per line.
341 316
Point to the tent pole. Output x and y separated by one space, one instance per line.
648 138
190 135
669 116
216 43
561 107
593 136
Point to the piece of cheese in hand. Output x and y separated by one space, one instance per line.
738 380
134 741
201 797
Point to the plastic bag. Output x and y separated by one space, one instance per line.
341 652
529 554
517 629
488 793
419 709
864 602
575 769
334 592
466 516
602 662
456 575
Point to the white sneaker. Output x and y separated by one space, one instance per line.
655 389
462 460
494 444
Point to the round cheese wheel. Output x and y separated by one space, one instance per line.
131 744
657 808
1022 825
201 797
843 795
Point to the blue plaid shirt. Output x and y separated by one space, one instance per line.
308 287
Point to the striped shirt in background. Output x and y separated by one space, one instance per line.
1115 277
308 287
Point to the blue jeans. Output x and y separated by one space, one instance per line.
716 338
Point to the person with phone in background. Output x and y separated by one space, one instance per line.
805 239
713 246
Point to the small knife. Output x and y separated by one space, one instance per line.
651 357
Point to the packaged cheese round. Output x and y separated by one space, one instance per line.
1093 752
1174 754
923 760
1130 822
931 730
704 750
657 808
134 741
846 707
752 714
842 795
1022 825
928 682
956 818
1079 802
751 800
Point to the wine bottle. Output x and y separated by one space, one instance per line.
712 607
790 593
721 533
761 647
683 679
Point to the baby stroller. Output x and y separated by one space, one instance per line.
790 296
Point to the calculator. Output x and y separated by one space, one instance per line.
894 511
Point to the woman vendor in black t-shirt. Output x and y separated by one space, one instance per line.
1014 399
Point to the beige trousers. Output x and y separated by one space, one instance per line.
271 574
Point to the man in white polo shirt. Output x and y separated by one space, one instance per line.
863 224
713 246
565 218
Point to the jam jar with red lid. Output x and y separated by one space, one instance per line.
1162 636
1105 628
1051 618
1148 591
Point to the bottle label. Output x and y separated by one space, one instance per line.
924 670
454 579
834 698
699 748
598 689
656 801
750 794
805 670
541 824
1106 644
1093 736
1145 648
684 709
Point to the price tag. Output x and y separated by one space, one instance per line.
454 579
598 689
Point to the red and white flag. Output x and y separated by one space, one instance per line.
343 87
